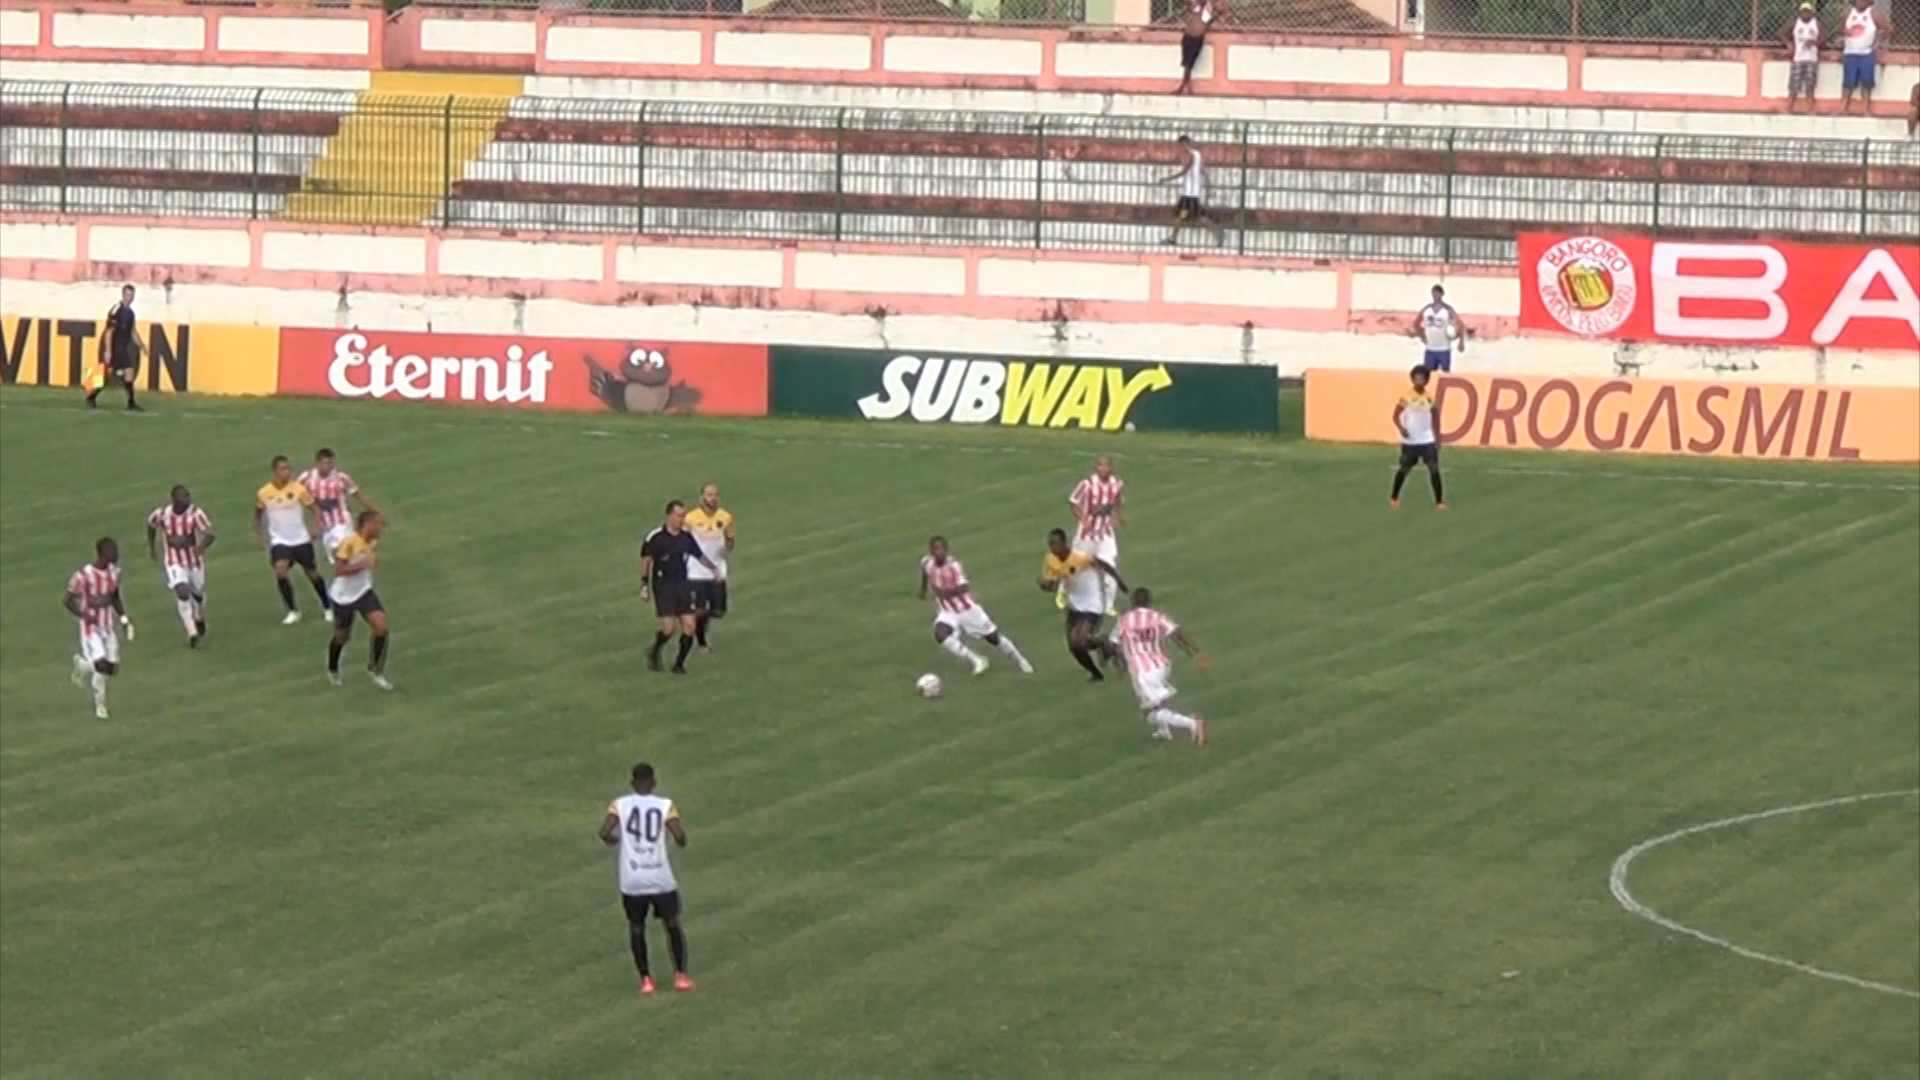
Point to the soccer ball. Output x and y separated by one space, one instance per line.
929 685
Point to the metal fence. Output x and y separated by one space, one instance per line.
919 177
1692 22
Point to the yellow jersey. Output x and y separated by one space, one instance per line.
1416 416
354 584
714 533
1079 575
285 512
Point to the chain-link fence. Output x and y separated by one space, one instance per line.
1689 22
919 177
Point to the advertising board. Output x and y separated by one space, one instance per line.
1744 293
204 358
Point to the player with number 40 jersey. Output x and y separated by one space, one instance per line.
638 826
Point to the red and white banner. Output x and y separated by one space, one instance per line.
1732 293
525 372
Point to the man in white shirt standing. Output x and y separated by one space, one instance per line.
1440 330
1191 206
1802 38
1860 38
639 825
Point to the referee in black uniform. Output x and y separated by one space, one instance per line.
663 575
120 347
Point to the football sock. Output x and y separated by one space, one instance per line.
1084 658
130 401
700 629
1007 646
686 646
377 653
677 941
93 397
320 590
1439 494
1399 479
1167 718
637 941
187 616
199 608
333 655
286 593
954 645
99 690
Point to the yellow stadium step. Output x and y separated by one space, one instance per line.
409 135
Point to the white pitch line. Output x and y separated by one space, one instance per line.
1617 880
1248 461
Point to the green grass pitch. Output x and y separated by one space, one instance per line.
1433 734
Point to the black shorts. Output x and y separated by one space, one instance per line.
1412 454
298 554
1190 50
1088 619
368 603
672 599
1187 208
709 597
665 904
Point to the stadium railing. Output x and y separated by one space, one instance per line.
1007 180
1673 22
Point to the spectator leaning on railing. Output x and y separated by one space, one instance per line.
1201 15
1802 37
1860 52
1913 112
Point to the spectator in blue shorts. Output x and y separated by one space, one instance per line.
1860 52
1439 328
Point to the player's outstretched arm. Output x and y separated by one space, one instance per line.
646 572
678 831
153 553
923 584
1188 646
1111 571
610 829
120 609
260 523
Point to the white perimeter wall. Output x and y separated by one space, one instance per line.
1292 352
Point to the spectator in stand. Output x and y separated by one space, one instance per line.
1913 112
1191 206
1193 37
1860 52
1802 37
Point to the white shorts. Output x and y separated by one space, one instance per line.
193 577
1154 687
98 645
974 622
330 540
1105 548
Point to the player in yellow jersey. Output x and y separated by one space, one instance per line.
280 510
354 560
1417 416
712 528
1077 575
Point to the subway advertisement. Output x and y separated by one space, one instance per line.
1756 421
1088 395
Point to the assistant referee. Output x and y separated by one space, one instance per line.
663 578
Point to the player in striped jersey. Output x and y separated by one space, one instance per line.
1099 505
93 597
189 533
956 613
331 487
1139 634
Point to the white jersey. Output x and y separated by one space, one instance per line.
645 869
1436 324
1806 41
1862 33
1193 184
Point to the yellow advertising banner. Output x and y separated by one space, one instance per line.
1629 416
203 358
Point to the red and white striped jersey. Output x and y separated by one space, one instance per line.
948 575
95 588
1139 633
181 532
1095 500
330 494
